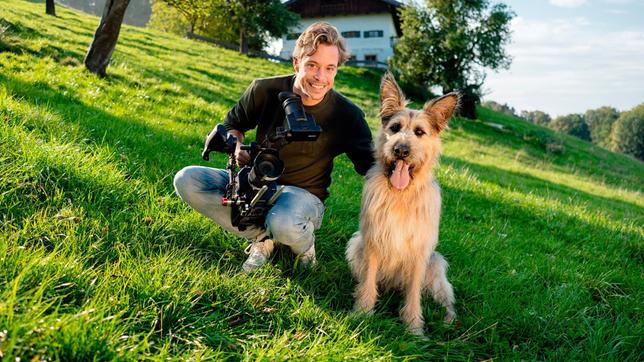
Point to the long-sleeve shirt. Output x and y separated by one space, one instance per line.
308 165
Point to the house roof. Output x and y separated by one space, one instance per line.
325 8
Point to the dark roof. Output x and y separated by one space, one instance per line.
323 8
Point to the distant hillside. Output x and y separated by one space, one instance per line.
99 259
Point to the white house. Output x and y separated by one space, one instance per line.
370 27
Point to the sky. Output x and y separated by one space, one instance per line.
569 56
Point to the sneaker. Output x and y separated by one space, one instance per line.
258 253
307 258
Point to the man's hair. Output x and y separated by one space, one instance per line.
320 33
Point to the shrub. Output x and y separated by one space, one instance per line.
536 117
572 124
600 121
627 135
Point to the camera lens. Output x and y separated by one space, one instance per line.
268 167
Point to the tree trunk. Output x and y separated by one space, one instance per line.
100 52
243 42
467 108
51 7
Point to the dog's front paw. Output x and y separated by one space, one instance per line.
450 317
360 309
415 328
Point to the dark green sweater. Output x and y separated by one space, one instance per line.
307 164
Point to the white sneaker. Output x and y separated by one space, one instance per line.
307 258
258 253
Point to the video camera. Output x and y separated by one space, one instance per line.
253 189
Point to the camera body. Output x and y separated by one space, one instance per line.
253 189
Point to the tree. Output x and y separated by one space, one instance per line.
194 11
536 117
572 124
501 108
257 19
50 7
448 43
100 51
167 18
251 24
600 121
627 135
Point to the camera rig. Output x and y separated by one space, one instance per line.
253 189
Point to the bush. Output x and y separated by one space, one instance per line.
545 141
600 121
501 108
627 135
572 124
536 117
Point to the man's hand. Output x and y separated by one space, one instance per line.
242 157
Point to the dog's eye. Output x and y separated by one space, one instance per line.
395 128
419 132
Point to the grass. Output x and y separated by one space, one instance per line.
99 260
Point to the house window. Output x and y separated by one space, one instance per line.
352 58
351 34
292 36
370 58
373 34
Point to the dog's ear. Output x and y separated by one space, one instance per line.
441 109
391 97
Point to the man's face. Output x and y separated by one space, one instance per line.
314 74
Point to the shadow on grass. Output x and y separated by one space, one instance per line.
153 152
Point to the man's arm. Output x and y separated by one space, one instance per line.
242 117
360 145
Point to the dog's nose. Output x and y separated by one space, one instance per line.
401 150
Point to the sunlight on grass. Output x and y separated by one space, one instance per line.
98 257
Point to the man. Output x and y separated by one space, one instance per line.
298 211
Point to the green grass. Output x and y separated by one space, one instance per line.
100 260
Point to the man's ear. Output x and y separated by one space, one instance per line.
440 110
392 99
296 64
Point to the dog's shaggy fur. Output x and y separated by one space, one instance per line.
401 205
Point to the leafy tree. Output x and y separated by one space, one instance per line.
537 117
100 51
194 11
50 7
627 135
448 43
257 20
501 108
167 18
251 24
600 121
572 124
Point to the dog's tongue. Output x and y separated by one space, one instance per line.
400 177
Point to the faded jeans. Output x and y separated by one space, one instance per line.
291 221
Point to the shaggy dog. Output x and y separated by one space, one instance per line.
401 205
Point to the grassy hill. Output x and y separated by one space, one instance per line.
100 260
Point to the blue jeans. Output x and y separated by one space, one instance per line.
291 221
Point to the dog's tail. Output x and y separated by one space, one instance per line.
438 286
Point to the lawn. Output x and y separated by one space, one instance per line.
99 259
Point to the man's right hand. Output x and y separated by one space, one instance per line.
242 157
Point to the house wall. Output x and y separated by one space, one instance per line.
381 47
